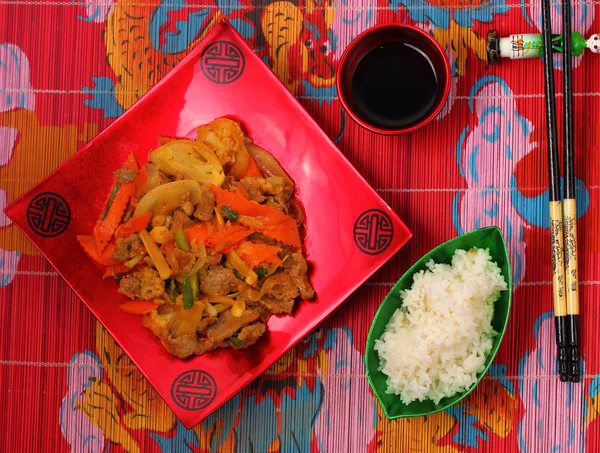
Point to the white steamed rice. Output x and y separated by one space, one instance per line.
437 342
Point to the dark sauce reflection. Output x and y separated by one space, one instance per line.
394 85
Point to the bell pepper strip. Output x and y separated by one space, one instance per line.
252 170
277 225
168 249
89 247
155 254
116 269
255 254
133 225
243 192
140 181
105 229
200 233
131 163
237 264
138 307
224 241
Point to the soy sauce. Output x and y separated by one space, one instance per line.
394 85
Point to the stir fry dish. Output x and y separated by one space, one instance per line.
205 239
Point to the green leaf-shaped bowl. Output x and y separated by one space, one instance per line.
490 238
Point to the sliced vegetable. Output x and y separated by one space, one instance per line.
224 241
238 308
190 318
155 254
167 197
138 307
226 138
140 181
267 163
168 249
133 225
236 342
105 228
115 270
212 311
252 171
191 158
133 261
219 219
235 262
229 214
276 224
181 240
255 254
188 294
216 299
131 163
220 300
89 247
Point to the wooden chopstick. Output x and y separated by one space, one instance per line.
569 204
555 205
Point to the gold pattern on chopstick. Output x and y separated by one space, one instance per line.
558 266
570 232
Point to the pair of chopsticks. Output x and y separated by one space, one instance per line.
564 253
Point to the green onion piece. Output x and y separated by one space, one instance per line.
118 278
195 286
181 240
237 274
229 214
188 294
236 342
111 198
133 261
260 272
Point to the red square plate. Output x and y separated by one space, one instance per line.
350 231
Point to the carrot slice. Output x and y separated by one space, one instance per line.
105 229
89 247
140 181
115 269
276 224
133 225
255 254
252 169
138 307
131 163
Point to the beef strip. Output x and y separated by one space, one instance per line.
218 281
276 306
249 334
186 260
206 206
228 324
297 268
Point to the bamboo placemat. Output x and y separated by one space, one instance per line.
69 68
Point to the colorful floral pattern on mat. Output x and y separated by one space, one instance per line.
65 385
